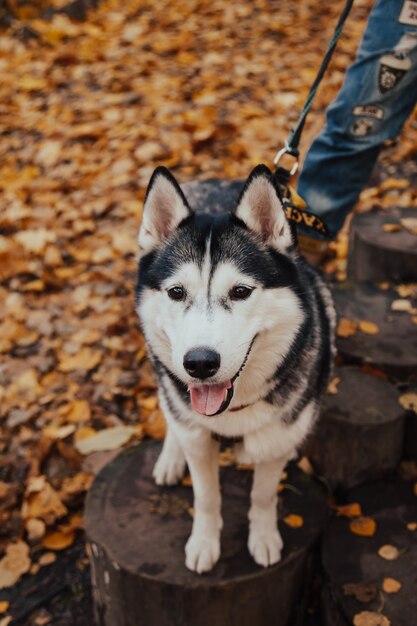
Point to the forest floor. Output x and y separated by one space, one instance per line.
87 110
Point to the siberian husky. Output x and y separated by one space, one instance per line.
239 329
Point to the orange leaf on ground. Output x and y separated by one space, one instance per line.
370 618
293 521
390 585
58 540
155 426
346 327
86 359
350 510
14 564
369 328
363 526
388 552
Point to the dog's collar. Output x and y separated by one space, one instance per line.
239 408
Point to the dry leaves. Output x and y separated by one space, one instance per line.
390 585
332 386
350 510
408 401
293 521
363 526
370 618
346 327
107 439
14 564
388 552
86 359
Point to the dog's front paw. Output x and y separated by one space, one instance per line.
168 471
265 547
201 553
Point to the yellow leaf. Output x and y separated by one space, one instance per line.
350 510
408 401
394 183
346 327
35 528
78 412
44 504
4 605
332 386
107 439
363 526
14 564
369 328
370 618
47 558
155 426
305 466
86 359
293 521
390 585
410 223
388 552
391 228
401 305
58 540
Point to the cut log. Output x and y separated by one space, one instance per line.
214 195
359 435
410 439
393 349
138 531
376 254
360 577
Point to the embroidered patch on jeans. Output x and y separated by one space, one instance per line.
408 13
369 110
362 127
391 70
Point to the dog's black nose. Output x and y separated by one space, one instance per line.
201 362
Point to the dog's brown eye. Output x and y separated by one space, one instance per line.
176 293
240 292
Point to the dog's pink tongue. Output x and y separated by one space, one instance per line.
207 399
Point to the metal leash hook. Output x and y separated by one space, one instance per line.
287 150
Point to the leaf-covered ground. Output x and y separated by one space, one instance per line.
87 110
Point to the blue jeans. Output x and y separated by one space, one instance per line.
378 95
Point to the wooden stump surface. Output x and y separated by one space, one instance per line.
393 349
359 435
377 255
355 567
138 531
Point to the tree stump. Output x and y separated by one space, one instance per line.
214 195
377 255
359 435
356 569
393 349
138 531
410 439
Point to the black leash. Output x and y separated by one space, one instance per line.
296 210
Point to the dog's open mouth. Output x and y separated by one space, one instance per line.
214 399
211 399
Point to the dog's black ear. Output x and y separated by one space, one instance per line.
261 209
164 208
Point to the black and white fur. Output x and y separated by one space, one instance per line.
235 286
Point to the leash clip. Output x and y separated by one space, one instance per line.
287 150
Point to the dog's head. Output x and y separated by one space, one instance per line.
215 292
